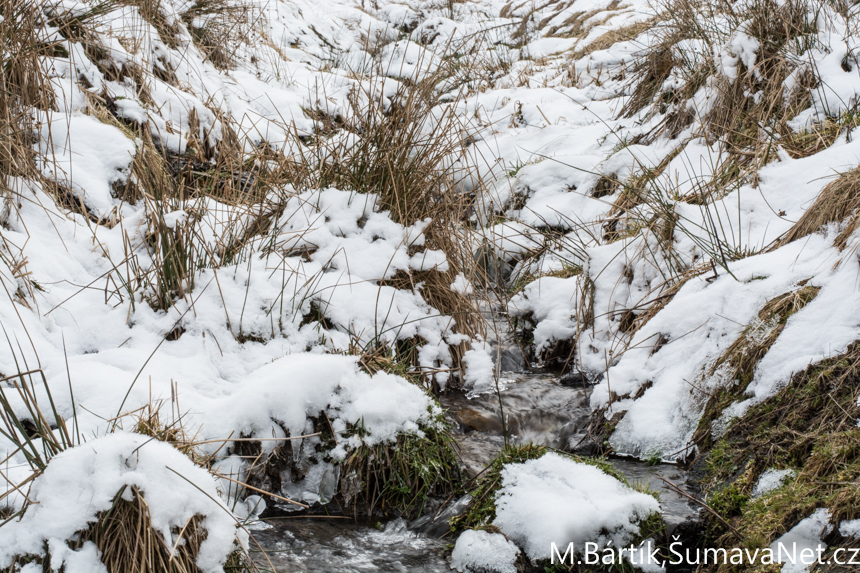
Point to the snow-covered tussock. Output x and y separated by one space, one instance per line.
555 500
82 483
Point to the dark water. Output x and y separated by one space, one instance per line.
537 408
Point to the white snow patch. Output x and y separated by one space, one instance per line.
480 551
806 535
82 481
850 528
770 480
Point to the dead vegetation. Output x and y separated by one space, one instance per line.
123 534
613 36
838 202
128 543
220 28
807 427
736 366
751 107
23 88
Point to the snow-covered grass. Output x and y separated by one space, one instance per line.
536 497
287 216
788 457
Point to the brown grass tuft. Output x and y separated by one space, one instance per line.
738 363
838 200
23 88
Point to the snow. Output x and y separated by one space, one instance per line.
87 156
295 387
82 481
850 528
770 480
554 499
264 333
481 551
806 535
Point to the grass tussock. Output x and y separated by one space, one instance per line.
750 107
123 534
413 154
736 366
485 486
128 543
24 88
838 201
399 478
484 489
808 427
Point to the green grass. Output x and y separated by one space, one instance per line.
809 426
398 479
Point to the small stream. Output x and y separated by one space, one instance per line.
538 409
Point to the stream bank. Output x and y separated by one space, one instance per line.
538 409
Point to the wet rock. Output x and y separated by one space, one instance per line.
575 379
433 525
586 447
473 420
689 533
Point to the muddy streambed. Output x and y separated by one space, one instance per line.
538 408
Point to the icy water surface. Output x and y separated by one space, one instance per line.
538 409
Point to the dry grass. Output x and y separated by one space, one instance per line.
612 37
412 155
577 25
657 301
809 427
736 366
750 115
220 28
23 87
839 200
128 543
623 220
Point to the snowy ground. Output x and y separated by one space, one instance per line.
263 340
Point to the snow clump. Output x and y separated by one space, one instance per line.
554 499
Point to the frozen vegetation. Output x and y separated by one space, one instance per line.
246 245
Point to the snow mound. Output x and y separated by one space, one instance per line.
81 482
554 499
481 551
296 387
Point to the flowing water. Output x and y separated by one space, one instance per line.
323 545
538 409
